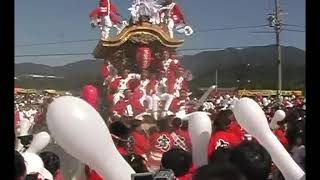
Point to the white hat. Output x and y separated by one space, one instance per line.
218 101
264 100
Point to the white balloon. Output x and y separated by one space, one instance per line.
279 115
200 132
79 129
39 142
251 117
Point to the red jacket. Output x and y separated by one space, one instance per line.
176 84
141 143
160 142
184 135
120 107
175 14
128 107
222 139
177 104
280 134
236 129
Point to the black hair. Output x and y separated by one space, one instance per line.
153 130
252 159
20 167
135 123
178 160
184 125
163 124
137 163
222 120
51 161
224 171
221 155
119 129
294 127
176 123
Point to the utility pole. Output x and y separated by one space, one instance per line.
275 22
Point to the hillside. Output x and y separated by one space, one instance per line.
257 64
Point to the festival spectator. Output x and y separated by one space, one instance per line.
221 155
292 131
137 162
180 162
225 171
298 152
141 144
280 134
222 136
252 160
184 141
161 142
120 135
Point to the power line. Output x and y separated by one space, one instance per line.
90 53
294 25
58 42
229 28
293 30
62 54
95 39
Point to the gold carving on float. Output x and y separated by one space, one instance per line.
144 33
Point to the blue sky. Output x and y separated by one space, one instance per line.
42 21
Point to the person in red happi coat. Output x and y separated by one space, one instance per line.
222 136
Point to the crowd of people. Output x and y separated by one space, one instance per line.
148 144
146 108
31 105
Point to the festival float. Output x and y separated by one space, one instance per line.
141 71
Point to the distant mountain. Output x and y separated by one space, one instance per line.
203 62
257 64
